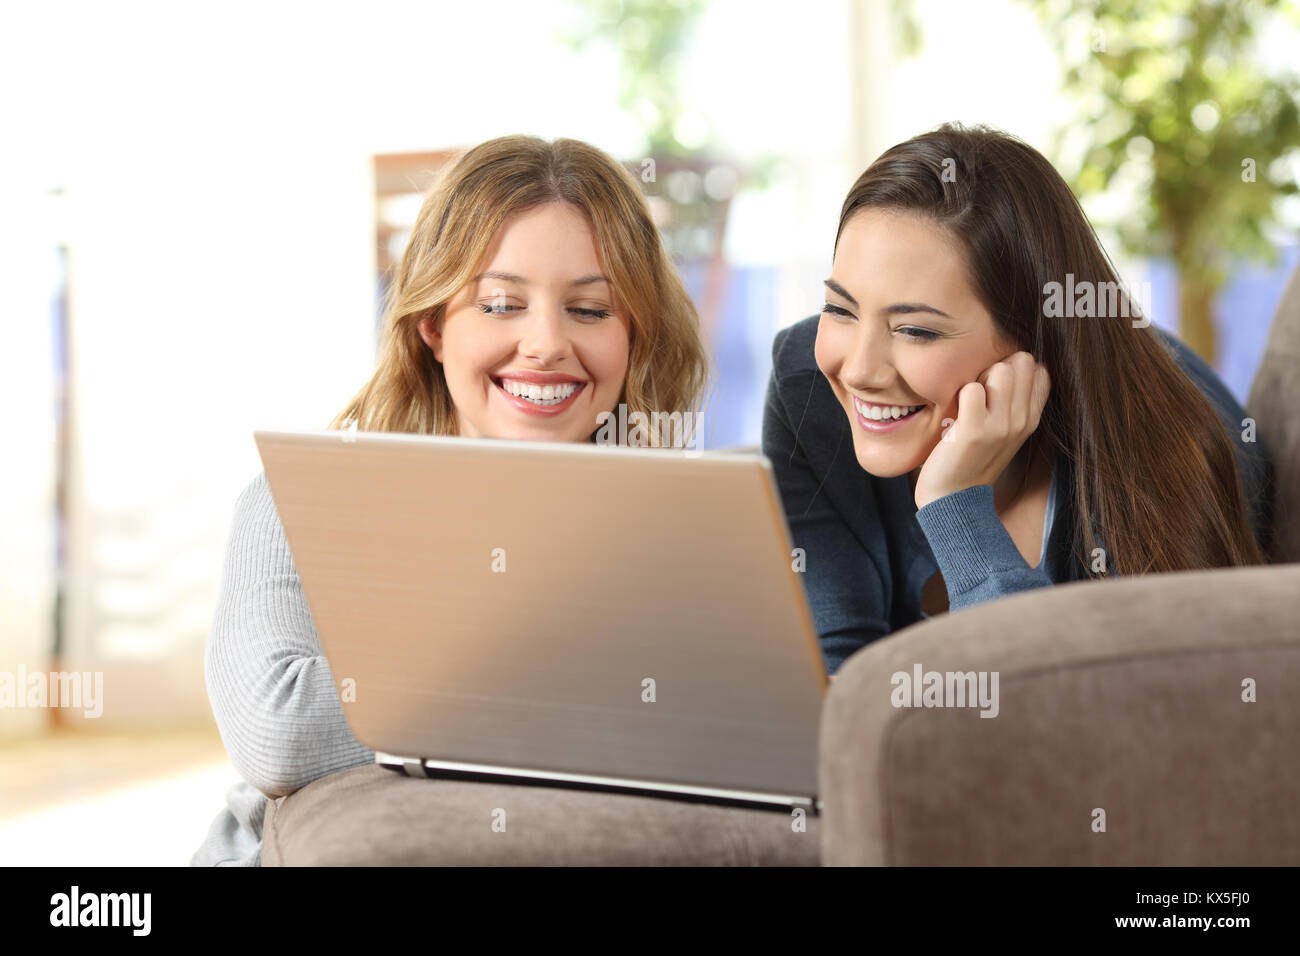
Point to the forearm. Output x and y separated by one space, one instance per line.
976 556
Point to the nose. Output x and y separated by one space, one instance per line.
544 338
869 364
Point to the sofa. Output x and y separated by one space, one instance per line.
1145 721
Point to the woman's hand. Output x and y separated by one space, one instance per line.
994 417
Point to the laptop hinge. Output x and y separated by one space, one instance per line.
413 767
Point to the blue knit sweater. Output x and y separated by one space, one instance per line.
869 551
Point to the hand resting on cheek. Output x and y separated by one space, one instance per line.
995 414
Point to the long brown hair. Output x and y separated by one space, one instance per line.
668 365
1154 472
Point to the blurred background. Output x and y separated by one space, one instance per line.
199 203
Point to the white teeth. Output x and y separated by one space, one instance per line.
540 394
883 412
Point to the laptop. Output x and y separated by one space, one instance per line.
562 614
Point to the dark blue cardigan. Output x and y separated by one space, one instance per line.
869 551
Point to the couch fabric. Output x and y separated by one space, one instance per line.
374 816
1123 695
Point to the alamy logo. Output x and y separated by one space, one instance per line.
947 689
55 689
656 430
102 909
1102 300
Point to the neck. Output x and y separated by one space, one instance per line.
1020 476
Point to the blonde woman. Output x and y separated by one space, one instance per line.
534 294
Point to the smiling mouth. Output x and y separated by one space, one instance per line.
539 396
884 414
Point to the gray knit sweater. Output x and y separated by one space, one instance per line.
274 700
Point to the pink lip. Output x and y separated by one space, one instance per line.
543 410
872 425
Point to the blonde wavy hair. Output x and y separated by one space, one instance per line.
668 366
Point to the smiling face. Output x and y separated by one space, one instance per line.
536 346
901 333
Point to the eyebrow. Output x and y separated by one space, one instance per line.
520 280
898 308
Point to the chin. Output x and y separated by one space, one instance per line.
537 434
886 465
882 470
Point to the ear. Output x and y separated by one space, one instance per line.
430 330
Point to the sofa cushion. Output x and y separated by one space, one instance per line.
1122 696
375 816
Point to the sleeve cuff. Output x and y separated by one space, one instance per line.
969 541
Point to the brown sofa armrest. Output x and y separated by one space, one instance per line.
1121 696
372 816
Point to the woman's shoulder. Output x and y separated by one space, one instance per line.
1225 404
792 348
256 490
255 502
1203 376
1253 461
799 388
257 538
813 416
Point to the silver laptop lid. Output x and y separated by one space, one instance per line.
566 608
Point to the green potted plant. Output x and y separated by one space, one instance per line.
1175 103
